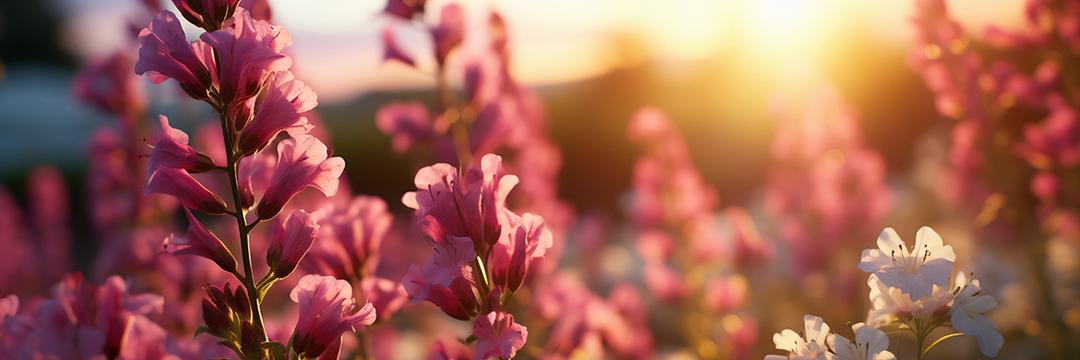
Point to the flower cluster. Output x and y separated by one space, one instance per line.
483 251
238 67
909 291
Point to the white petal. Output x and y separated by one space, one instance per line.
874 260
937 271
889 241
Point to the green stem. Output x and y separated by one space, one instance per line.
241 225
938 341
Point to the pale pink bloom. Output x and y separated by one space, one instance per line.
726 293
386 295
247 51
187 190
968 314
327 310
666 283
524 240
392 51
290 241
498 336
915 271
207 14
407 123
110 85
279 109
445 205
303 161
812 347
456 299
350 238
200 241
172 151
165 53
889 302
449 32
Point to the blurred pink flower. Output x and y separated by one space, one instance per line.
200 241
405 9
279 109
165 53
407 123
392 51
184 187
449 32
290 241
386 295
327 311
246 50
498 336
172 151
350 238
726 293
303 161
110 85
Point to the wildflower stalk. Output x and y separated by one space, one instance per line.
241 224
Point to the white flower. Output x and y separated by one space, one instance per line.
914 271
813 347
870 344
967 315
887 301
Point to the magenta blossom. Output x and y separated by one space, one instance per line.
392 51
327 311
407 123
450 31
444 266
225 310
184 187
404 9
173 151
446 206
201 241
302 161
524 241
165 53
498 336
386 295
207 14
247 51
280 108
291 240
350 238
110 85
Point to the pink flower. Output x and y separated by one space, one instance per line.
441 268
404 9
110 85
524 240
327 310
184 187
165 53
350 237
280 108
201 241
450 31
392 51
498 336
259 9
726 293
446 206
407 123
290 242
302 161
386 295
449 349
173 151
207 14
247 50
456 299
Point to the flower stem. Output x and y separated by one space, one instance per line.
241 225
938 341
